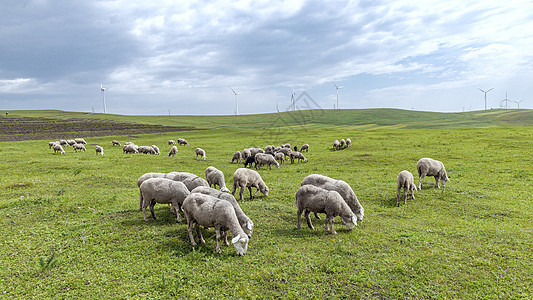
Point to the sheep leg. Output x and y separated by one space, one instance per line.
317 216
257 191
177 210
225 234
152 204
437 182
398 195
218 240
199 232
250 189
308 219
298 216
405 191
329 223
141 201
413 192
420 180
189 229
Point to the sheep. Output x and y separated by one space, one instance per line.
246 153
99 149
269 148
215 177
277 149
63 143
280 156
262 159
339 186
246 223
249 161
80 147
71 142
115 143
287 146
348 143
130 148
310 198
209 211
236 157
146 150
58 148
200 152
407 182
182 142
190 180
297 155
51 144
431 167
162 190
156 150
254 151
336 145
286 151
173 151
80 141
342 142
246 178
145 177
171 142
305 147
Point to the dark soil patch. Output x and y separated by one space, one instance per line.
30 128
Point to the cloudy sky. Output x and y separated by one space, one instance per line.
182 57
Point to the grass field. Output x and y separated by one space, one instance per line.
71 226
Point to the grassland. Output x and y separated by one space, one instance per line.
71 227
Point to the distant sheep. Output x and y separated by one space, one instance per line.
156 150
71 142
115 143
342 142
171 142
162 190
286 151
348 143
297 155
236 157
406 181
265 159
80 147
63 143
182 142
246 178
431 167
130 148
336 145
215 177
58 148
254 151
280 156
269 148
99 150
146 150
200 153
51 144
209 211
310 198
305 147
80 141
173 151
246 153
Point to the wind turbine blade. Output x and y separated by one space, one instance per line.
490 90
481 90
233 90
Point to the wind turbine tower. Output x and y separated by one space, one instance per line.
293 101
236 103
102 90
337 87
485 92
518 102
506 100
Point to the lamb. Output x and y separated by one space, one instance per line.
58 148
310 198
115 143
407 182
190 180
305 147
246 153
171 142
286 151
182 142
173 151
249 161
162 190
146 150
348 143
336 145
431 167
342 143
99 149
246 178
280 156
236 157
209 211
156 150
80 147
215 177
130 148
246 223
80 141
339 186
71 142
200 152
297 155
263 158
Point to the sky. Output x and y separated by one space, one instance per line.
185 57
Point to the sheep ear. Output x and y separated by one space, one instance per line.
235 239
354 220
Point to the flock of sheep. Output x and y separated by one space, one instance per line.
205 205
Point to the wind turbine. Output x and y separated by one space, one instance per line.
505 100
236 103
293 101
518 102
485 92
102 89
337 87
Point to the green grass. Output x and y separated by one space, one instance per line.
71 227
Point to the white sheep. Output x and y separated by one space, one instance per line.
340 187
215 177
145 177
310 198
71 142
297 155
115 143
156 150
63 143
246 223
348 143
58 148
99 149
80 147
406 181
280 156
209 211
265 159
336 145
305 147
200 152
130 148
246 153
247 178
287 146
146 150
431 167
173 151
51 144
269 148
190 180
286 151
182 142
80 141
254 151
236 157
342 142
162 190
171 142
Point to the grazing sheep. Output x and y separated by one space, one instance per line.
173 151
171 142
287 146
99 149
115 143
342 143
246 178
58 148
215 177
277 149
200 152
431 167
249 161
336 145
129 143
190 180
305 147
254 151
310 198
246 153
146 150
297 155
286 151
246 223
51 144
295 148
280 156
71 142
79 147
182 142
162 190
348 143
236 157
339 186
265 159
269 148
407 182
209 211
63 143
130 148
80 141
156 150
145 177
